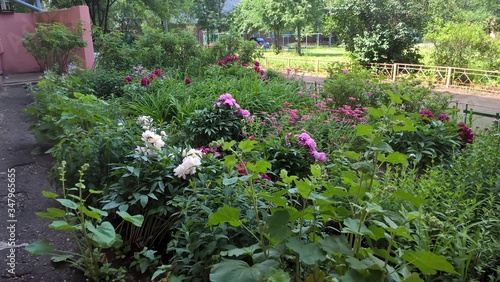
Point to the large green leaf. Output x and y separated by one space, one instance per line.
336 244
103 235
42 247
240 271
277 225
136 220
236 252
52 213
428 262
309 253
68 203
225 214
247 145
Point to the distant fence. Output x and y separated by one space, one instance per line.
447 77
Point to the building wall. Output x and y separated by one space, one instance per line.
13 56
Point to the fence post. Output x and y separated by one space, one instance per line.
317 66
394 71
448 77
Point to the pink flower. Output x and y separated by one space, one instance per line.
145 81
345 71
319 156
352 99
243 113
314 96
443 117
236 58
426 114
257 64
329 100
152 76
300 93
187 80
465 133
220 63
127 79
251 137
158 72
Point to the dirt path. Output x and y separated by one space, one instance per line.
27 177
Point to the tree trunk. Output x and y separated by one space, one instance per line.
299 29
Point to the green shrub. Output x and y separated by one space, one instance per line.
53 45
113 53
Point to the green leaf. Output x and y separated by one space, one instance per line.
396 158
236 252
61 225
225 214
50 195
103 235
240 271
92 191
395 98
364 130
230 161
68 203
316 170
42 247
277 225
428 262
304 188
352 155
353 226
416 200
309 254
262 166
91 214
414 277
52 213
61 258
228 145
136 220
230 181
336 244
375 112
247 145
287 179
360 264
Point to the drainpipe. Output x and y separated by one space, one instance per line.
29 6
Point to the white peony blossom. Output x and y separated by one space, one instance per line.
188 166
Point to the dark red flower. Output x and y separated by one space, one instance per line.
465 133
187 80
443 117
127 79
145 81
158 72
426 114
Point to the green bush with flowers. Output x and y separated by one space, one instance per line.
241 174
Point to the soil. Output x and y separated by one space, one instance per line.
19 225
29 173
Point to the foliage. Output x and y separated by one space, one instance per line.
155 49
463 45
113 53
53 45
90 232
377 31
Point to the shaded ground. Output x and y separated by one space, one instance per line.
27 175
30 175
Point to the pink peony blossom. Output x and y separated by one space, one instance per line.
145 81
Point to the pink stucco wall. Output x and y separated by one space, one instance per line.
13 56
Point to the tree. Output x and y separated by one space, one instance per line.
247 17
378 30
99 10
209 15
274 18
167 10
301 13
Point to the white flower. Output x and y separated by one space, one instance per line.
143 151
188 166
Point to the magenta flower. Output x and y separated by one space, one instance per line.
220 63
243 113
227 100
236 58
306 141
127 79
345 71
228 59
443 117
145 81
257 64
465 133
426 114
158 72
319 156
153 76
329 100
187 80
314 96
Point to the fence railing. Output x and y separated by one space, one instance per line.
447 77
